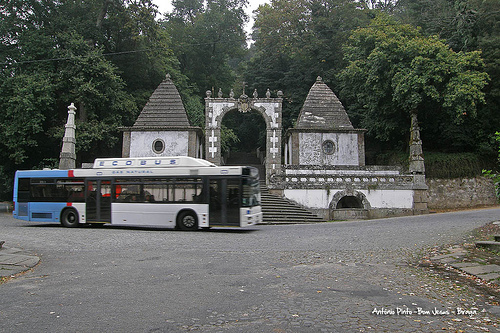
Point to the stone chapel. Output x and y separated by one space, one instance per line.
163 128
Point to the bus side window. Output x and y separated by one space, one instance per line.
23 190
188 190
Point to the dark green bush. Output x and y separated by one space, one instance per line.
439 165
458 165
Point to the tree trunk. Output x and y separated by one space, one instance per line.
102 14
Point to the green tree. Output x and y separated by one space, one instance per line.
395 71
297 40
495 176
106 56
207 40
466 25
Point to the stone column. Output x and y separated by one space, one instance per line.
212 130
67 158
417 168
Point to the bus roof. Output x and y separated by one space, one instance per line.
151 162
148 166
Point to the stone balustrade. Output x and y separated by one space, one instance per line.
370 177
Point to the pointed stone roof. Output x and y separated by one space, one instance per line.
164 109
322 110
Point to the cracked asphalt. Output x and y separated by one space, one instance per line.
326 277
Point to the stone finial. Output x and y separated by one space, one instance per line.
255 94
268 93
167 77
280 94
219 94
231 94
209 93
319 79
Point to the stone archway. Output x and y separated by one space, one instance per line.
269 108
353 195
349 204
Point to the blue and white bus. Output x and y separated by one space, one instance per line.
181 192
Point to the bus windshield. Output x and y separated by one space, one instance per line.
251 192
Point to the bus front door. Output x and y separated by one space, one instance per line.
224 202
98 200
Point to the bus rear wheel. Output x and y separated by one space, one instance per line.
187 221
69 218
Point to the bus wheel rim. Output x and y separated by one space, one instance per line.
188 221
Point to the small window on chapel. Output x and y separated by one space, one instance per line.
328 147
158 146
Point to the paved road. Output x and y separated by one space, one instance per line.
329 277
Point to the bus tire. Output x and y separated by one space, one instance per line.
69 218
187 220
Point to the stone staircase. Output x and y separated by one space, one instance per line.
277 210
490 245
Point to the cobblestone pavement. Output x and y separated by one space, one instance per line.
14 261
329 277
353 292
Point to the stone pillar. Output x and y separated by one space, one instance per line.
417 168
127 139
67 158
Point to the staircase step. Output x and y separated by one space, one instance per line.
242 158
275 209
489 245
278 210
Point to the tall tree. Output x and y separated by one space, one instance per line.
466 25
106 56
394 71
206 37
297 40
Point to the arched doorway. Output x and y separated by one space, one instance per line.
243 137
349 204
349 201
269 108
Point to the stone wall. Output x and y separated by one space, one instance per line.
344 149
175 143
460 193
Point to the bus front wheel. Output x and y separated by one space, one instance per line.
187 221
69 218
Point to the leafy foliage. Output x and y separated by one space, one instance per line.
438 165
393 71
206 39
106 56
493 174
250 126
297 40
466 25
